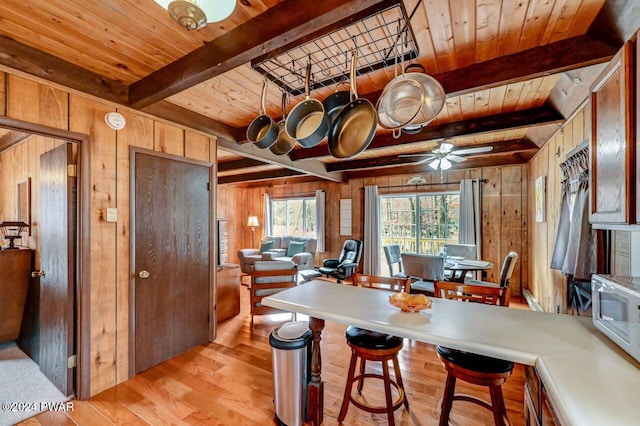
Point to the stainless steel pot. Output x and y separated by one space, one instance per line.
400 102
263 131
307 122
434 97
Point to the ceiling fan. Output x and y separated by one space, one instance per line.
441 157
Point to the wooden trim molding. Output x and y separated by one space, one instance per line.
83 254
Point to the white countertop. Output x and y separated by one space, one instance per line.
589 380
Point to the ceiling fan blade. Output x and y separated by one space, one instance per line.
446 147
424 160
455 158
473 150
415 155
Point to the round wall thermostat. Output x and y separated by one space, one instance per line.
115 120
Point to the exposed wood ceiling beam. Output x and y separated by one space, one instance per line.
278 26
12 138
553 58
561 56
617 21
244 163
509 120
499 147
503 159
312 167
21 57
187 118
259 176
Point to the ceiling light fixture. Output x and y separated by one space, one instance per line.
196 14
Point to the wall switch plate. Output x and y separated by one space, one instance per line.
112 215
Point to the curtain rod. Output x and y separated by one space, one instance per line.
577 149
431 184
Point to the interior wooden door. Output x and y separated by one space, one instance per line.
171 218
57 262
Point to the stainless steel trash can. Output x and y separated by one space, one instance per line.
291 360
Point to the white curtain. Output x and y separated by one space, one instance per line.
371 250
267 214
470 215
320 209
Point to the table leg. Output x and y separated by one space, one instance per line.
315 387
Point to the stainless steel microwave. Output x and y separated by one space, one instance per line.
616 310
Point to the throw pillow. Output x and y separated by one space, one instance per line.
265 246
295 247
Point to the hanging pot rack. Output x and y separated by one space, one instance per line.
374 36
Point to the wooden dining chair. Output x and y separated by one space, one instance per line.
508 265
269 277
373 346
472 368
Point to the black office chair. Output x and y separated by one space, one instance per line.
344 266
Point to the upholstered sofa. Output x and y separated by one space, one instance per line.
301 252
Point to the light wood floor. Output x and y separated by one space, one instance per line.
228 382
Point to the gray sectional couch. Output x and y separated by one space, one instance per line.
280 248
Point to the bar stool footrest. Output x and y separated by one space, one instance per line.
379 409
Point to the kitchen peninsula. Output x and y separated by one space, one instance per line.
588 379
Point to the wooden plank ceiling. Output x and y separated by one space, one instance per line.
507 67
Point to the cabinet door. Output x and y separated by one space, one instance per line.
613 141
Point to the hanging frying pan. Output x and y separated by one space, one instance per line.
307 122
355 125
263 131
284 144
334 103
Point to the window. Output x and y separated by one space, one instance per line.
419 223
294 216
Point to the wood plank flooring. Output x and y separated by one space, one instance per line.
229 382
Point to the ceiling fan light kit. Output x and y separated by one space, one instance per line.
196 14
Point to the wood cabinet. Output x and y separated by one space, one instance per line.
613 140
15 272
538 410
228 290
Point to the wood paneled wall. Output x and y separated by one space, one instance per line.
504 213
548 285
17 164
35 102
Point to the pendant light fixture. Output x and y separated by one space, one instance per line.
196 14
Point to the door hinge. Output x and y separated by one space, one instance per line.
208 186
71 361
71 170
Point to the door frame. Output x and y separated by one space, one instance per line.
133 150
83 265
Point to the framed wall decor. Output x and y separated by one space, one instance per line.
540 194
24 202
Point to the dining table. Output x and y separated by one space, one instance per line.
460 267
560 347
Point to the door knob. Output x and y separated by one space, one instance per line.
37 274
143 274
